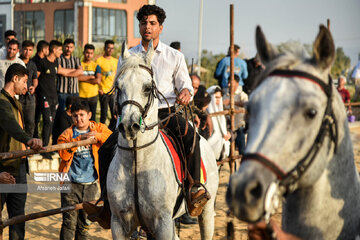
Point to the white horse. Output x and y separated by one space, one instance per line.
143 191
299 139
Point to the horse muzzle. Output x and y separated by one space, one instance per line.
246 192
129 129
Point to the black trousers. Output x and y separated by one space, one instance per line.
15 204
106 102
176 127
46 108
92 104
28 103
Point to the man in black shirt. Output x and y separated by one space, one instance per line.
46 93
28 99
42 50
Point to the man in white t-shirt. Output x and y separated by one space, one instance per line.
9 59
8 36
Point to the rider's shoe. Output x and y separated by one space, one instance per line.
197 201
100 214
186 219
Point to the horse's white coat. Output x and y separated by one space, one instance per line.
326 202
157 186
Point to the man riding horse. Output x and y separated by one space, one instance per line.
171 76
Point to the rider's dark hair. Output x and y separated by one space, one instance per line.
148 10
53 44
89 46
10 33
14 41
68 41
27 43
109 41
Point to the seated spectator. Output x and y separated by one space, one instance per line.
219 140
241 99
82 164
64 119
345 95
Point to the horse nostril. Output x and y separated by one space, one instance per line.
135 127
121 127
253 192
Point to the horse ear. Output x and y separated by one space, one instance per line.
324 48
124 51
150 53
265 50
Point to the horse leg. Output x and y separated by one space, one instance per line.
165 229
117 228
206 220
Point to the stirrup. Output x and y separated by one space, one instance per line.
197 200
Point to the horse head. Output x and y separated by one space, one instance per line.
292 126
135 92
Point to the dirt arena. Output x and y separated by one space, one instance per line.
49 227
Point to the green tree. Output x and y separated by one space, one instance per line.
341 65
209 61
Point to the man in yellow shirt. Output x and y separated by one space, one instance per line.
108 65
89 81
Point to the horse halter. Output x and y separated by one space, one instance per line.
154 93
289 179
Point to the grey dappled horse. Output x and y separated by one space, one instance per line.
299 139
155 189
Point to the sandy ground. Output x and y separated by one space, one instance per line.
49 227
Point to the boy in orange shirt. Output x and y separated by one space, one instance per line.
82 164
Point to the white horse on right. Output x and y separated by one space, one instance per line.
299 147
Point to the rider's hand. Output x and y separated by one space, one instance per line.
184 97
227 136
88 135
31 89
6 178
101 92
35 144
209 124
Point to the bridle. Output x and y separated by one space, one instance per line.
288 180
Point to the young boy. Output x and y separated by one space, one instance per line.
82 164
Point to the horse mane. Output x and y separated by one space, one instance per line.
289 55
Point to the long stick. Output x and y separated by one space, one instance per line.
232 100
227 112
32 216
20 153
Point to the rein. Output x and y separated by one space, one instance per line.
289 179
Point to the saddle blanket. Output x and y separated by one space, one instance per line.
177 162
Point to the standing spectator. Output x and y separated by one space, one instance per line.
108 65
219 140
83 166
345 95
28 99
13 137
10 58
46 94
68 85
223 69
254 67
64 119
8 36
176 45
89 82
241 99
42 50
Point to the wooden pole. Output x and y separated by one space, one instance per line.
232 100
32 216
227 112
21 153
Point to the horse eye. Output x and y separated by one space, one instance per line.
311 113
147 89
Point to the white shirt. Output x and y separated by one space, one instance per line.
169 69
4 65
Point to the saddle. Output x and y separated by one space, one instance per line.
196 200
